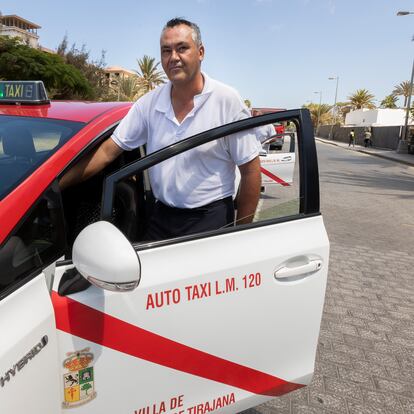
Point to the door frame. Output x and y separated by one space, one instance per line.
308 166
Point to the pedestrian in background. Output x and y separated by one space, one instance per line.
367 138
352 138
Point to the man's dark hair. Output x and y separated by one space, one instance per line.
179 20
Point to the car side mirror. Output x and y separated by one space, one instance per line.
105 257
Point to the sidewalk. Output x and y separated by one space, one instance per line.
407 159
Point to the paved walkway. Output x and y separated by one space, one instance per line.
407 159
365 358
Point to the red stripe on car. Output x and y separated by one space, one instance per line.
93 325
274 177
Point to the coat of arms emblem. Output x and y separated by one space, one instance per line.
78 380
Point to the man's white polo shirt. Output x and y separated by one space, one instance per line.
201 175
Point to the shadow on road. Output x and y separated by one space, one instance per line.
367 160
373 180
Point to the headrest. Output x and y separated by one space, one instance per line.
18 142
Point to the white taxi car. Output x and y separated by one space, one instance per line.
95 320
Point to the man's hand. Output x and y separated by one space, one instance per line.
92 164
249 191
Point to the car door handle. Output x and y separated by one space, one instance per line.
288 158
308 268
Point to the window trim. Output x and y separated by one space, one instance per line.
309 183
92 144
224 230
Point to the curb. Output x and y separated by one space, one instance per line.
328 142
385 157
409 163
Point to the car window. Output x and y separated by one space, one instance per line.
26 143
280 196
279 165
279 161
36 242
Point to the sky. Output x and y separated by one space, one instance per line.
276 53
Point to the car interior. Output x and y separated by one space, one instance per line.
132 202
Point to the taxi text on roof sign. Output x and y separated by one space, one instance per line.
27 92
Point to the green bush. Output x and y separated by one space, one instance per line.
21 62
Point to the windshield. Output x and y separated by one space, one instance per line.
26 143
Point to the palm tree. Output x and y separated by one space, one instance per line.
130 89
126 88
403 89
148 73
390 101
323 112
343 108
362 98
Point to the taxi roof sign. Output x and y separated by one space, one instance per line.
23 92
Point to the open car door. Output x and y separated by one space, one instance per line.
222 320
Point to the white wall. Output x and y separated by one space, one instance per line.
22 34
391 117
361 117
375 117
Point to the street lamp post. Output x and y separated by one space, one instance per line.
319 110
334 107
403 142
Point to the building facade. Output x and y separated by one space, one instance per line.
114 73
376 117
16 26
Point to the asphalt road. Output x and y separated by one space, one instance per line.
366 200
365 360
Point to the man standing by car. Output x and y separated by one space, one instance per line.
193 190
